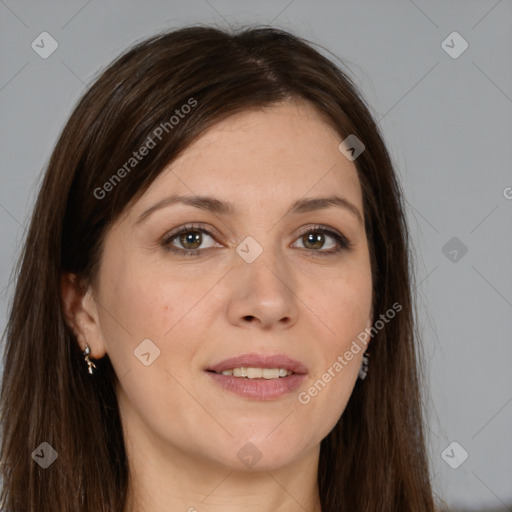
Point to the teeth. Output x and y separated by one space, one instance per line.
240 372
258 373
268 373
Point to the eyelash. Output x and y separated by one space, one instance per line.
344 244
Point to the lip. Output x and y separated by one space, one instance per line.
260 361
259 389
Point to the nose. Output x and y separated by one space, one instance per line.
262 294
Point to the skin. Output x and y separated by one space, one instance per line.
183 432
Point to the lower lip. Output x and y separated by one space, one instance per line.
259 389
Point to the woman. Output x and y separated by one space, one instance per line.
213 306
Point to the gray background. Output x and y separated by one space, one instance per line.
447 122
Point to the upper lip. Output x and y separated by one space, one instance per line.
260 361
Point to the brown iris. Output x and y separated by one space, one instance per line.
315 239
191 237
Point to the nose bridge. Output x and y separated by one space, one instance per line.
262 283
263 261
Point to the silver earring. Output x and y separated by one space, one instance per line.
90 364
364 367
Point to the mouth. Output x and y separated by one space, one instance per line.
254 366
258 376
257 373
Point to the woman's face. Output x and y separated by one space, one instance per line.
262 283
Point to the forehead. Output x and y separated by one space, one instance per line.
260 157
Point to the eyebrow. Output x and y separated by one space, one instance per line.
214 205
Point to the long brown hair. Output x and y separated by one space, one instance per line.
375 457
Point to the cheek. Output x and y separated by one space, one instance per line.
323 401
342 308
147 301
140 303
158 319
157 403
345 350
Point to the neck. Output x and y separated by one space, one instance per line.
164 477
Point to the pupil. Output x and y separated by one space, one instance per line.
316 240
191 237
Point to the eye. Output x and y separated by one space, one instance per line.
314 239
187 240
